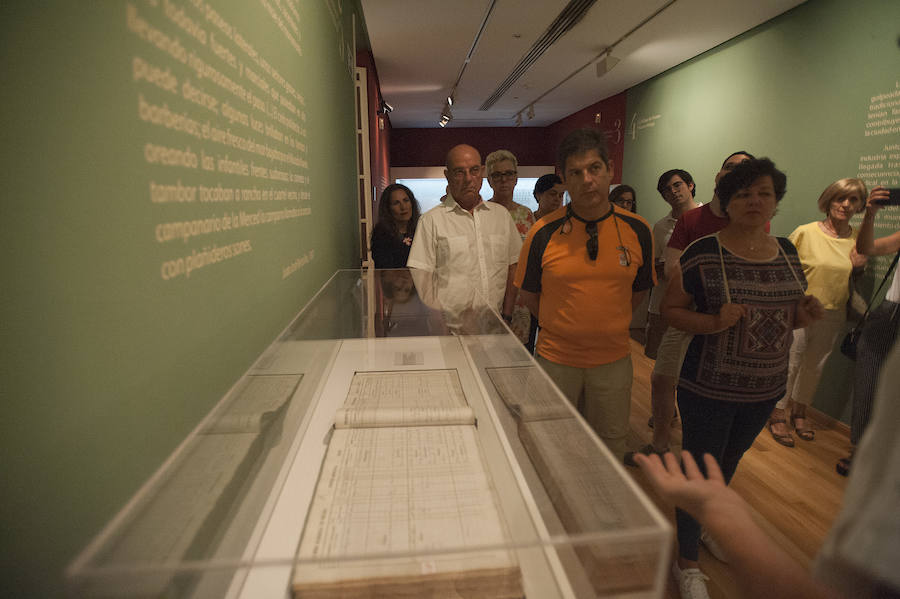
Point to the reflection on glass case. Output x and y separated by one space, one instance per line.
391 442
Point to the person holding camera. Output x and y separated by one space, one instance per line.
880 328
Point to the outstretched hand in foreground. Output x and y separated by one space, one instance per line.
701 496
760 567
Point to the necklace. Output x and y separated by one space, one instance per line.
826 224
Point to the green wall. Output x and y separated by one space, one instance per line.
116 339
797 89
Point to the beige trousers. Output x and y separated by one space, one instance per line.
601 394
810 351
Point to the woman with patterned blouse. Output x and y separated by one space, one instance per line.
502 176
749 291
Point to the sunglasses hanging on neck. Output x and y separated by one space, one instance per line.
593 245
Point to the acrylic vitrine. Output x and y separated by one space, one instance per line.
392 442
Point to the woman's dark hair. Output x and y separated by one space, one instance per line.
617 193
744 174
386 218
546 183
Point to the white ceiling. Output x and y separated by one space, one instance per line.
420 47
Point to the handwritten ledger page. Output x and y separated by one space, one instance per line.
404 398
402 499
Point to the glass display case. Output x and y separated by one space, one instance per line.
386 444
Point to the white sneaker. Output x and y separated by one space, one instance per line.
713 546
691 582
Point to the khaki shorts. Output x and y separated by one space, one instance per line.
671 352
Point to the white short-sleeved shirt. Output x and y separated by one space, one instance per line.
466 252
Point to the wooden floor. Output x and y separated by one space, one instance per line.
794 492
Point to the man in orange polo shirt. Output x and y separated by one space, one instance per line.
582 268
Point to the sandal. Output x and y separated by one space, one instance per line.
843 465
784 439
807 434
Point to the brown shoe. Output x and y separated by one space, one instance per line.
784 439
807 434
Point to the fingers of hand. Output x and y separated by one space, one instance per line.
690 466
713 472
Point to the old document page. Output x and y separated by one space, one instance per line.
404 506
527 393
404 398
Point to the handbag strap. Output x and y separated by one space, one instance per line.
722 264
791 266
780 252
877 291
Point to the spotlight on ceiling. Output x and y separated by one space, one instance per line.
446 115
605 64
385 107
450 100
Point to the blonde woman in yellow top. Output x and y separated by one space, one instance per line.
827 249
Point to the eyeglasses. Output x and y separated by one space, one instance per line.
503 175
592 244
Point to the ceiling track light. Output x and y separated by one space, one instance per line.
446 115
605 64
531 112
384 107
519 119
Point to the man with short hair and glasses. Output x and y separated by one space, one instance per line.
468 246
582 269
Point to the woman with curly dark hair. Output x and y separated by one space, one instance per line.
398 214
740 292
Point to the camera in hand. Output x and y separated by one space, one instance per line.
893 198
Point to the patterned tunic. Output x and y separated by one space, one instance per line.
749 361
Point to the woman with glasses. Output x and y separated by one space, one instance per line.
502 177
827 249
625 197
740 292
398 215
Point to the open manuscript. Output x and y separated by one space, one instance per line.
585 489
403 506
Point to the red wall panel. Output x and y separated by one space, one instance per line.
612 122
379 127
533 146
